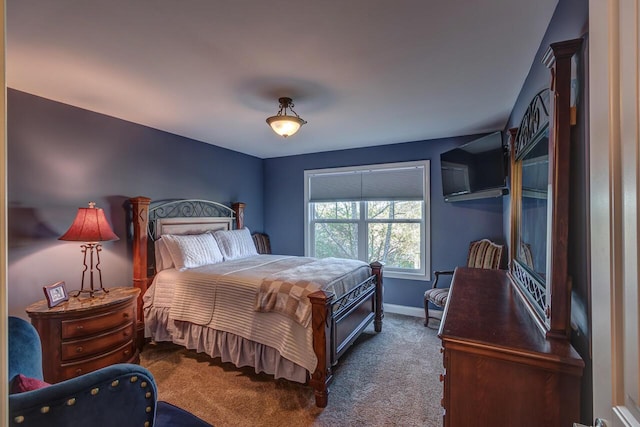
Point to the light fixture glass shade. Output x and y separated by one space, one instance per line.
90 225
285 125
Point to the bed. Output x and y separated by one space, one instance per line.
291 317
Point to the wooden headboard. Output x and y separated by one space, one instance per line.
150 220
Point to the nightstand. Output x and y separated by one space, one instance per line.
85 334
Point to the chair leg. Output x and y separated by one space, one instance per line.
426 312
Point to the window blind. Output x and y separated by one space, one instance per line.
368 184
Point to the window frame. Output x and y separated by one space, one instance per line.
424 273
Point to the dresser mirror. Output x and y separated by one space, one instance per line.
532 251
530 168
540 159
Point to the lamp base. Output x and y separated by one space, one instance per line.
90 292
91 248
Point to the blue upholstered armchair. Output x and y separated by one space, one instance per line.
119 395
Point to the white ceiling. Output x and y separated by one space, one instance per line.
361 72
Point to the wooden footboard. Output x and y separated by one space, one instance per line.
336 322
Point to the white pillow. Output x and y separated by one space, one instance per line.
235 244
192 250
163 257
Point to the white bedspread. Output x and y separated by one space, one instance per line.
223 297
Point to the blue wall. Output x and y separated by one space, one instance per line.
61 157
453 225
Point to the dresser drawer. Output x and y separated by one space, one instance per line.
91 325
123 354
86 347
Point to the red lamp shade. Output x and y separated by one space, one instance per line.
90 225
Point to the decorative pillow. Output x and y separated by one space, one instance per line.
192 250
20 384
236 244
163 256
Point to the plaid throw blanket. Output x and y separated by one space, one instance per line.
287 291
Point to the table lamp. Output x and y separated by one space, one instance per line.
90 226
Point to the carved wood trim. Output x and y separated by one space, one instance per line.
140 222
558 59
238 208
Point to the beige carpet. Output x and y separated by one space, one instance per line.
386 379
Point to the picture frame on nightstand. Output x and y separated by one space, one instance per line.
56 294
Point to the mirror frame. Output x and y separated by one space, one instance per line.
553 313
533 130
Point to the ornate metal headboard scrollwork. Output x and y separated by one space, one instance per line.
182 216
186 216
162 214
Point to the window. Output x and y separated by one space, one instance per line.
371 213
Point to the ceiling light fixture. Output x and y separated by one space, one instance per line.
283 124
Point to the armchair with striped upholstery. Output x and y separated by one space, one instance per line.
482 254
261 240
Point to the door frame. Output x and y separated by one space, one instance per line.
613 149
4 328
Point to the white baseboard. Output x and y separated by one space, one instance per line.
404 309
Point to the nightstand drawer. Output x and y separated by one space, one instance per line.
91 325
123 354
83 348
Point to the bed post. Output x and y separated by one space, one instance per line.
140 220
321 326
238 208
376 269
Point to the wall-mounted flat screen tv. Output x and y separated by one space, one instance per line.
477 169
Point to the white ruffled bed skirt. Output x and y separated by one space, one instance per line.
225 345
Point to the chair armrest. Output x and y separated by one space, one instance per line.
438 274
120 395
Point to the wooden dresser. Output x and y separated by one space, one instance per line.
500 370
85 334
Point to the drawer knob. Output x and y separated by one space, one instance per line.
126 352
125 315
78 371
125 333
441 378
79 327
79 349
441 350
